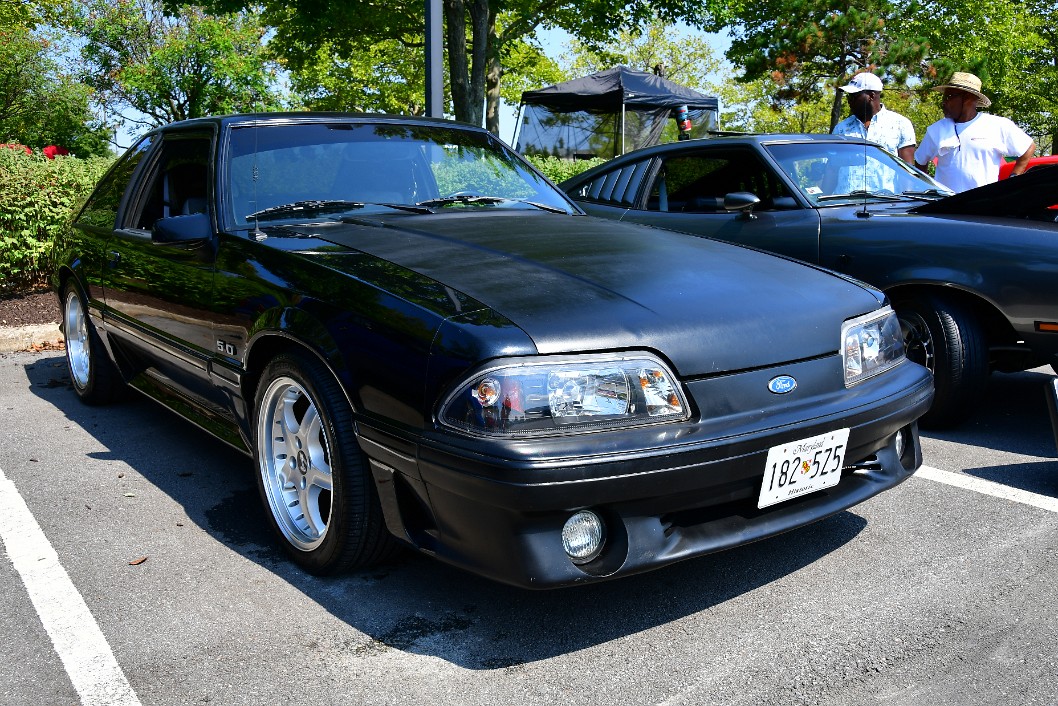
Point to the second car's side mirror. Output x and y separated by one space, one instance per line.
188 229
743 201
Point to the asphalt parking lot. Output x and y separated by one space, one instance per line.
165 588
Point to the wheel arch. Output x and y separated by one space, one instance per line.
267 345
993 323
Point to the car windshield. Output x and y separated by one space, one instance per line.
835 173
333 170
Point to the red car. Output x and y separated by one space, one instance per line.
1005 169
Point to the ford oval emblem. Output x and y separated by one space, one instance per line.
782 384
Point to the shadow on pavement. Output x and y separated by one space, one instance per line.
1012 419
417 604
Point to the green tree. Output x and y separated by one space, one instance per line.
687 57
810 48
40 104
170 68
480 34
369 77
1011 44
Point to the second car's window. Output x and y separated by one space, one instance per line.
698 183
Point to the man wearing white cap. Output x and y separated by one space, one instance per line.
970 146
872 121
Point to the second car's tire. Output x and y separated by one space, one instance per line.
311 473
95 378
944 336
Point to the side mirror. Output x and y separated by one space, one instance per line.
182 229
742 201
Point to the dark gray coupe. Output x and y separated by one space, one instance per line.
973 277
420 340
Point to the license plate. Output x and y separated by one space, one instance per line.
803 466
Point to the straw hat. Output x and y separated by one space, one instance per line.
970 84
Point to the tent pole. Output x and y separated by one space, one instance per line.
517 125
622 127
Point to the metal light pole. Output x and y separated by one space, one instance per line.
434 67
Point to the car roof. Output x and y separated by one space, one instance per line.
308 117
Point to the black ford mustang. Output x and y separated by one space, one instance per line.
973 277
418 338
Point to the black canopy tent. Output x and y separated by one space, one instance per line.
608 113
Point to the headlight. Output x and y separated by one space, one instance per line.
527 397
870 344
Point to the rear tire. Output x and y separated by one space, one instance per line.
944 336
312 476
95 378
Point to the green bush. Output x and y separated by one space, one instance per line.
558 170
37 198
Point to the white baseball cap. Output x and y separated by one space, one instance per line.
865 81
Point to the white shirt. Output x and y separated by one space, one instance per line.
969 154
890 130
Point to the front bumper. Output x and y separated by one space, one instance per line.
665 494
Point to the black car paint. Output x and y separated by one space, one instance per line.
992 249
400 307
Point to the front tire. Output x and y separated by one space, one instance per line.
944 336
95 378
312 475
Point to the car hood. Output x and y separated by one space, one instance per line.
575 283
1018 197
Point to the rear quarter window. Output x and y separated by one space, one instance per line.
616 187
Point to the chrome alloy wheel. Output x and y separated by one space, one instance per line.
295 463
918 341
75 328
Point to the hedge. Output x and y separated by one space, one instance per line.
558 170
37 198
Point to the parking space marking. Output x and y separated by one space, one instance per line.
76 636
987 487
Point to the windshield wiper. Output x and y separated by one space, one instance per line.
544 206
462 199
859 194
935 193
488 200
306 207
318 207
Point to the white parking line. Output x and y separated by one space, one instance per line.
987 487
73 631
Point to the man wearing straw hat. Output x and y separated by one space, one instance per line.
970 146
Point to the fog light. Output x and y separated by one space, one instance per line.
901 444
583 536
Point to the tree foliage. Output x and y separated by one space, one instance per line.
369 77
39 103
172 67
480 35
809 48
1011 44
687 57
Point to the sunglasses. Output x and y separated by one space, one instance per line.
950 96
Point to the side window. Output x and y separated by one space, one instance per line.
101 209
177 184
699 183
